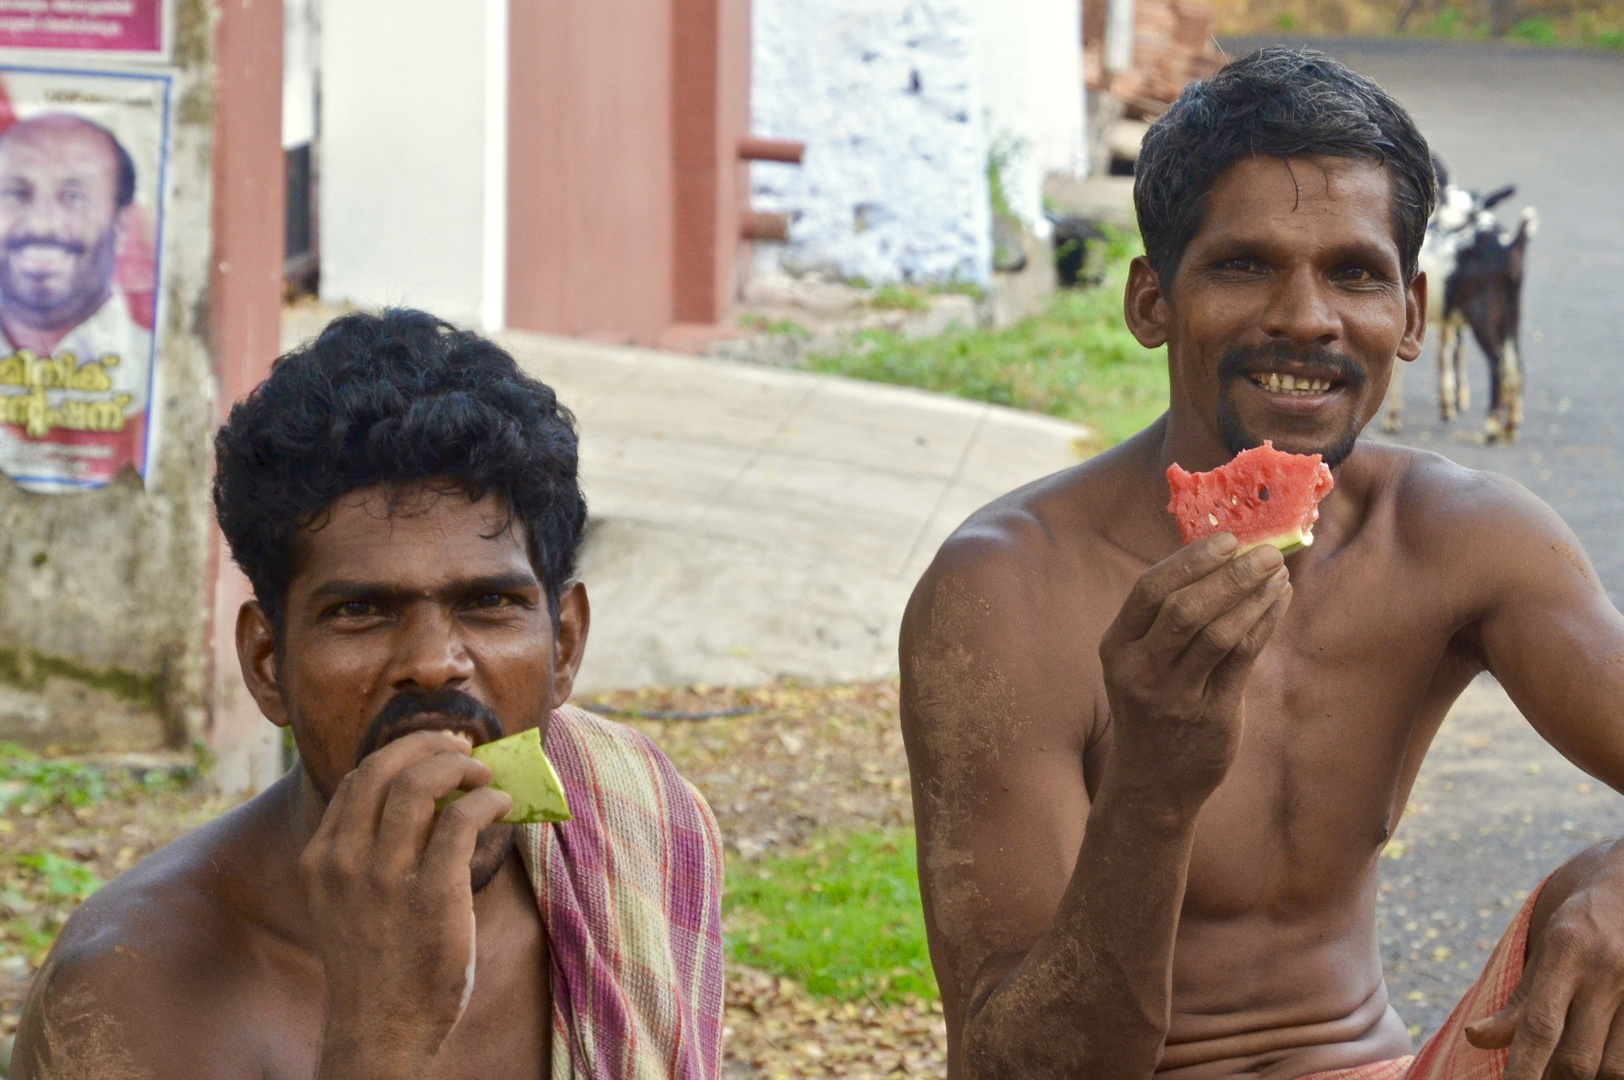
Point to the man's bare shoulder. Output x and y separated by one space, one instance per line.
145 967
1438 506
1004 627
1060 525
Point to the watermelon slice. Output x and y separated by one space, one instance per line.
520 767
1263 496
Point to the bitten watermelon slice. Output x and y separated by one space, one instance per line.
1263 496
520 767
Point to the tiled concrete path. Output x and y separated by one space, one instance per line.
750 522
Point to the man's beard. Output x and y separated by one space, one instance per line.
85 290
1322 362
456 711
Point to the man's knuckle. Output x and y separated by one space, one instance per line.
1572 1065
1566 944
1216 639
1611 1069
459 814
1179 611
1540 1027
413 785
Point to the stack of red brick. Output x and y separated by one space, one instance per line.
1172 44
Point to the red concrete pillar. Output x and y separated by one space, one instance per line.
245 310
710 113
245 285
589 167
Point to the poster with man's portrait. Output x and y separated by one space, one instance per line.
82 183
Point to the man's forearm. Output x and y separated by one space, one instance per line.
1092 998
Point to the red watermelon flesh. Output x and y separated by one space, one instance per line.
1263 496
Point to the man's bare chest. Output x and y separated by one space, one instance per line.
1338 714
506 1029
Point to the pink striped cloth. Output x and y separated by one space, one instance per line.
1447 1055
630 893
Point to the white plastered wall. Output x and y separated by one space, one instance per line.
1029 66
900 103
884 93
414 156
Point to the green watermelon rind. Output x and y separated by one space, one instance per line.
519 766
1289 543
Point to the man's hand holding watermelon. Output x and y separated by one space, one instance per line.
1153 773
1176 661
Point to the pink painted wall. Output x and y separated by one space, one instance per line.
623 183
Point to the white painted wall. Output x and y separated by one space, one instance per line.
1054 67
884 93
1029 63
301 44
894 182
413 185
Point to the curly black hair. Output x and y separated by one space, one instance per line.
396 399
1282 103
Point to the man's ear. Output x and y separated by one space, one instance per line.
1415 318
256 653
123 225
1144 305
569 645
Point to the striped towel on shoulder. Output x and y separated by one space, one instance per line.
631 896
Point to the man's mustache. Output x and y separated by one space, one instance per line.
451 709
17 243
1321 362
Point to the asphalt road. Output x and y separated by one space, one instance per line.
1495 808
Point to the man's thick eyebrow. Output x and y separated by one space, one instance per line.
384 590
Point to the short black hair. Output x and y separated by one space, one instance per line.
396 398
1282 103
126 171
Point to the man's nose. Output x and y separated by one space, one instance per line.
1300 309
430 653
44 217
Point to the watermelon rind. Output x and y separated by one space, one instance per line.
1288 542
519 766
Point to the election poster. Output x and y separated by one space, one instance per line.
116 29
82 191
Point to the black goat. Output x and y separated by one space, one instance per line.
1474 269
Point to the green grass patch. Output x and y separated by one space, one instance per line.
1539 30
842 918
895 297
33 784
782 327
1075 360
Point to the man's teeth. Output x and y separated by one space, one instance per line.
1276 383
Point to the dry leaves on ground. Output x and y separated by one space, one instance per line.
776 1031
798 761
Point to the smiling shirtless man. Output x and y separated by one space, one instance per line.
404 501
1151 783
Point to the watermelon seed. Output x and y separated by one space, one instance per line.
1213 518
1263 493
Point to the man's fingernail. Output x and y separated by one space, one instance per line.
458 735
1223 544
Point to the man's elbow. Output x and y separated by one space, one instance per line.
1000 1041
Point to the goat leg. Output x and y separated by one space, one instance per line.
1446 370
